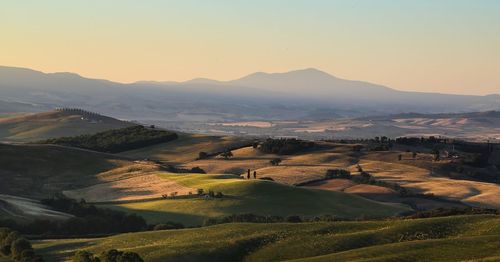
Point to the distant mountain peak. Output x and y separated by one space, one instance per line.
299 73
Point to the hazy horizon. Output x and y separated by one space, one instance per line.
426 46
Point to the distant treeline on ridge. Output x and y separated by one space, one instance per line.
116 140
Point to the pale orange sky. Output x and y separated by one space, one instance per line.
440 46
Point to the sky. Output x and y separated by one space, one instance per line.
447 46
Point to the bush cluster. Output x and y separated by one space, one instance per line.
13 245
168 225
444 212
112 255
337 173
285 146
116 140
252 218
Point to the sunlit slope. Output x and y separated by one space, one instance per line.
436 239
257 197
185 148
39 126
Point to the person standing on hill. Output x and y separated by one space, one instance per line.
248 174
255 174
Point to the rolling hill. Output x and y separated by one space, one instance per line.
253 196
58 123
459 238
37 171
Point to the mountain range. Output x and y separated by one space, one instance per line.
299 94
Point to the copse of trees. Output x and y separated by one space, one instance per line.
285 146
227 154
13 245
253 218
116 140
337 173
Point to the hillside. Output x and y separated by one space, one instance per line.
38 171
456 238
252 196
38 126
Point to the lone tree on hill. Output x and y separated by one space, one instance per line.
202 155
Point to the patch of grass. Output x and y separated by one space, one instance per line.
254 196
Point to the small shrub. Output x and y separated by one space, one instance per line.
111 255
227 154
129 257
85 256
18 246
7 242
168 225
293 219
275 161
210 221
197 170
338 173
219 195
202 155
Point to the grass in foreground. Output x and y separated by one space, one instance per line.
438 239
254 196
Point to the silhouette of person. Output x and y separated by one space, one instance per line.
255 174
248 174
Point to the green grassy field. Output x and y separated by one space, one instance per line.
254 196
39 126
459 238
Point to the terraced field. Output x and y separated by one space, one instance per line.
254 196
459 238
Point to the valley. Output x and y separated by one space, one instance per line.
304 189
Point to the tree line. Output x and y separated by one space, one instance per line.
18 248
285 146
116 140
